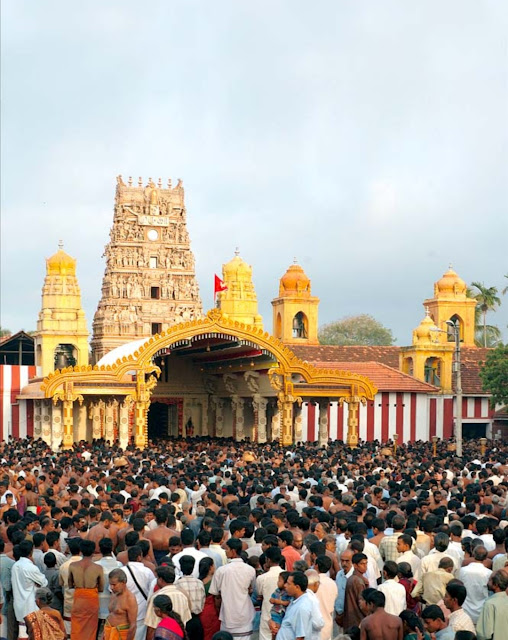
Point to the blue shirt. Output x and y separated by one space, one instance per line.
297 622
445 634
340 581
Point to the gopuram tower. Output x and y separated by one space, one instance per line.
149 283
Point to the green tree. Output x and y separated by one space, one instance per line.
493 336
505 290
488 300
362 329
5 332
494 374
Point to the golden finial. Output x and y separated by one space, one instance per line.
140 181
169 183
295 261
159 184
237 251
130 181
60 245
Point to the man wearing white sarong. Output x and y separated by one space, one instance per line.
232 584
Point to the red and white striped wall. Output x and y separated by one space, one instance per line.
413 416
16 418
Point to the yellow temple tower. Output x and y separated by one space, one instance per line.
61 338
295 311
430 357
450 302
239 301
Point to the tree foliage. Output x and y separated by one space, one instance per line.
356 330
488 300
5 332
494 374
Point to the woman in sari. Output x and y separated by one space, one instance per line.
46 623
171 626
209 616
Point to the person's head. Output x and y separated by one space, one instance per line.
43 597
498 581
455 594
87 548
374 599
390 570
234 548
480 554
441 542
165 575
187 564
162 606
206 568
222 635
273 556
312 580
433 618
323 564
135 553
175 545
446 563
282 579
404 570
296 584
411 622
360 562
346 560
117 581
463 634
187 536
106 546
404 543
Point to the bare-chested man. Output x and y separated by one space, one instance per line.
159 537
102 530
379 625
87 579
123 609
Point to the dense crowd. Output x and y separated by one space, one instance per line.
214 539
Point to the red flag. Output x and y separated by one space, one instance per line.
219 285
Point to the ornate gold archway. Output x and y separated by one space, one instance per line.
135 376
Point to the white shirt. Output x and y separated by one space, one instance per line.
146 581
488 541
395 595
475 578
26 578
265 586
415 562
189 551
232 582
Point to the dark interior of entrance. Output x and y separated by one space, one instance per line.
471 431
158 421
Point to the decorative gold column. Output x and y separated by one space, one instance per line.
297 413
353 402
286 406
123 422
144 388
67 396
323 423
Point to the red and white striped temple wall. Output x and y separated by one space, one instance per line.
16 418
413 416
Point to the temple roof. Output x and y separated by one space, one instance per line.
356 353
126 349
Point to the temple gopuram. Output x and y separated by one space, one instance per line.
159 367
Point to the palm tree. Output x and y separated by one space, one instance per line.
505 290
493 336
488 300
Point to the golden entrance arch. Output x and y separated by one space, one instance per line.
134 376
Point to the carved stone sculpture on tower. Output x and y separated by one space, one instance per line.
149 265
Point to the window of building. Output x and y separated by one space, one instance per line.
153 262
155 293
156 328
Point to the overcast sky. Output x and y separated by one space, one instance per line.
367 139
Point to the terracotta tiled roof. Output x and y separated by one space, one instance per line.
384 377
470 367
357 353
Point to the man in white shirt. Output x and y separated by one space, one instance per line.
394 592
475 578
25 578
188 538
431 562
453 600
327 595
404 544
140 582
484 529
266 584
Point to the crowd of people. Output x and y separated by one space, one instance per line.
205 539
